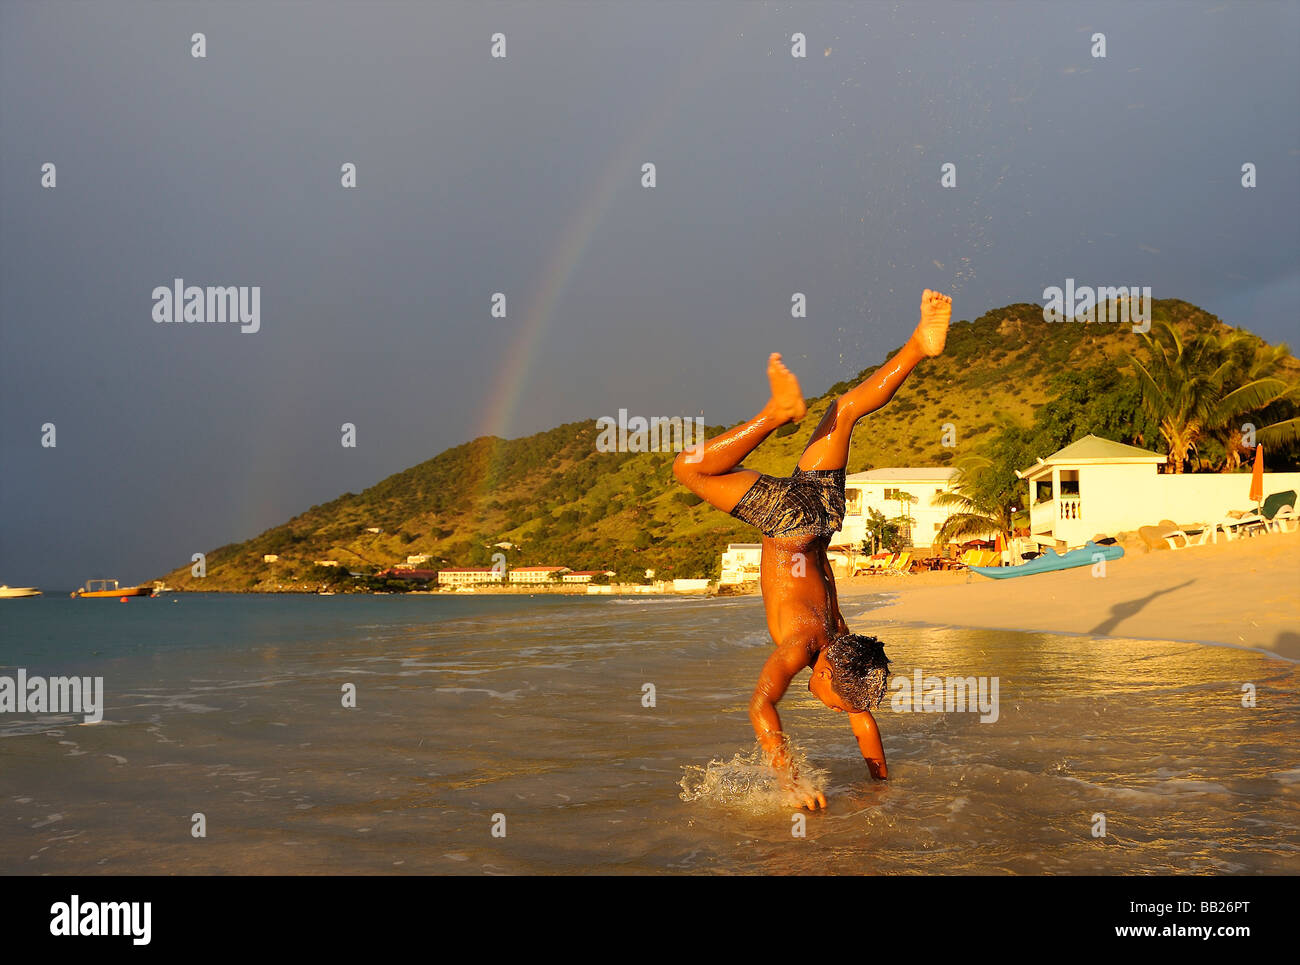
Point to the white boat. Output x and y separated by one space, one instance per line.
13 592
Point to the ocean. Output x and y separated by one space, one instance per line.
608 735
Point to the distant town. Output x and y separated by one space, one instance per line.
415 576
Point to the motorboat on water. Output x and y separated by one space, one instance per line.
111 588
8 592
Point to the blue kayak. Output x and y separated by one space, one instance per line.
1050 560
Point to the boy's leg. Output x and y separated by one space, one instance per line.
829 446
710 470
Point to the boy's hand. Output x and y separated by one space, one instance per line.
778 758
932 331
800 797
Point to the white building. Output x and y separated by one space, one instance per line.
418 559
689 585
880 489
537 574
468 577
584 576
270 558
1097 487
740 563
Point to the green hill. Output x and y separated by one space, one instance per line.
561 502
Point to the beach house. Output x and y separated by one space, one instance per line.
1095 487
894 492
740 563
584 576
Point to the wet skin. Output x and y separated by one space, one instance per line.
803 617
798 586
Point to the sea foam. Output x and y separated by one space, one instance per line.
748 783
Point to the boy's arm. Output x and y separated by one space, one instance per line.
778 671
868 735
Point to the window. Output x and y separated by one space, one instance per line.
853 503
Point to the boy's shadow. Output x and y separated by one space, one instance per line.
1122 611
1287 645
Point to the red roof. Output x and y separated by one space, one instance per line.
538 569
409 574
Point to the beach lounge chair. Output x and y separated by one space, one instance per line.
1274 505
903 563
1285 520
871 564
1236 523
1197 535
881 562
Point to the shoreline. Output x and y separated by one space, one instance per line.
525 589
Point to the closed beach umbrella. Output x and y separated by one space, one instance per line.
1257 477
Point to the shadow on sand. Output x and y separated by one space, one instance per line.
1122 611
1287 645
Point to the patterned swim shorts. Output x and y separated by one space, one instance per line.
808 503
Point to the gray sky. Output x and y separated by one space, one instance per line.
522 175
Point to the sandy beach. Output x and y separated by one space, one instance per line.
1244 593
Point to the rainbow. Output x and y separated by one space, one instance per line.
620 172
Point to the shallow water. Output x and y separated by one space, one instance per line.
532 708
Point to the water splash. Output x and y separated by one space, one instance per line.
748 783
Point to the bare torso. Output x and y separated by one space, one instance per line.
799 597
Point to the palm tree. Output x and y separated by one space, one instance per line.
904 520
1262 398
1199 387
984 503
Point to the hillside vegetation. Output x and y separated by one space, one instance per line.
559 501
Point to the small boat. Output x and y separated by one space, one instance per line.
110 588
8 592
1050 561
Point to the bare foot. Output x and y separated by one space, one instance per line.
932 331
786 403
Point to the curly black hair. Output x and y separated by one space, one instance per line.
859 671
